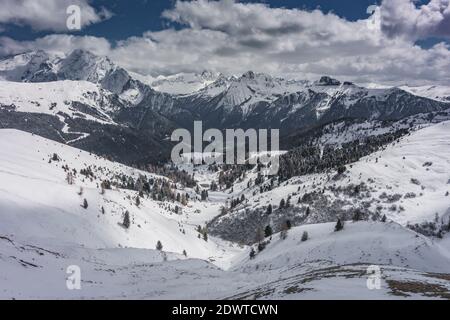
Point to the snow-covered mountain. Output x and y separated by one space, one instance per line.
252 100
62 206
261 101
40 66
407 180
439 93
184 83
59 98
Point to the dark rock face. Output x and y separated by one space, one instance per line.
328 81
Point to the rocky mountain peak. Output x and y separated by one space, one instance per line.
328 81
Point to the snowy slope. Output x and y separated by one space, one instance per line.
39 206
183 83
23 67
408 181
360 242
44 230
57 97
335 265
286 269
439 93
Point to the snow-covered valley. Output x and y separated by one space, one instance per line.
56 213
375 159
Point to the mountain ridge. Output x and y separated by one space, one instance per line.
252 100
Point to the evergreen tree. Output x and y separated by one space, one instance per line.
383 219
269 210
339 226
184 253
85 204
183 200
308 211
261 246
357 216
252 253
282 203
341 170
138 201
288 224
126 220
305 236
159 246
268 231
69 178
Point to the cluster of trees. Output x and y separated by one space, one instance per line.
261 237
436 228
214 186
162 190
172 172
311 158
237 201
202 233
284 204
204 195
87 172
182 198
230 173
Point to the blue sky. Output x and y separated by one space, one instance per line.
132 18
293 38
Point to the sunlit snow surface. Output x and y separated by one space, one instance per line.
44 229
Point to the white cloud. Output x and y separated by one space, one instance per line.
56 43
403 18
286 42
48 14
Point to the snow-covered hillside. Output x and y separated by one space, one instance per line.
377 155
39 206
183 83
385 244
408 181
439 93
46 226
58 98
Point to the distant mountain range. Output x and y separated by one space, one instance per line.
91 103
